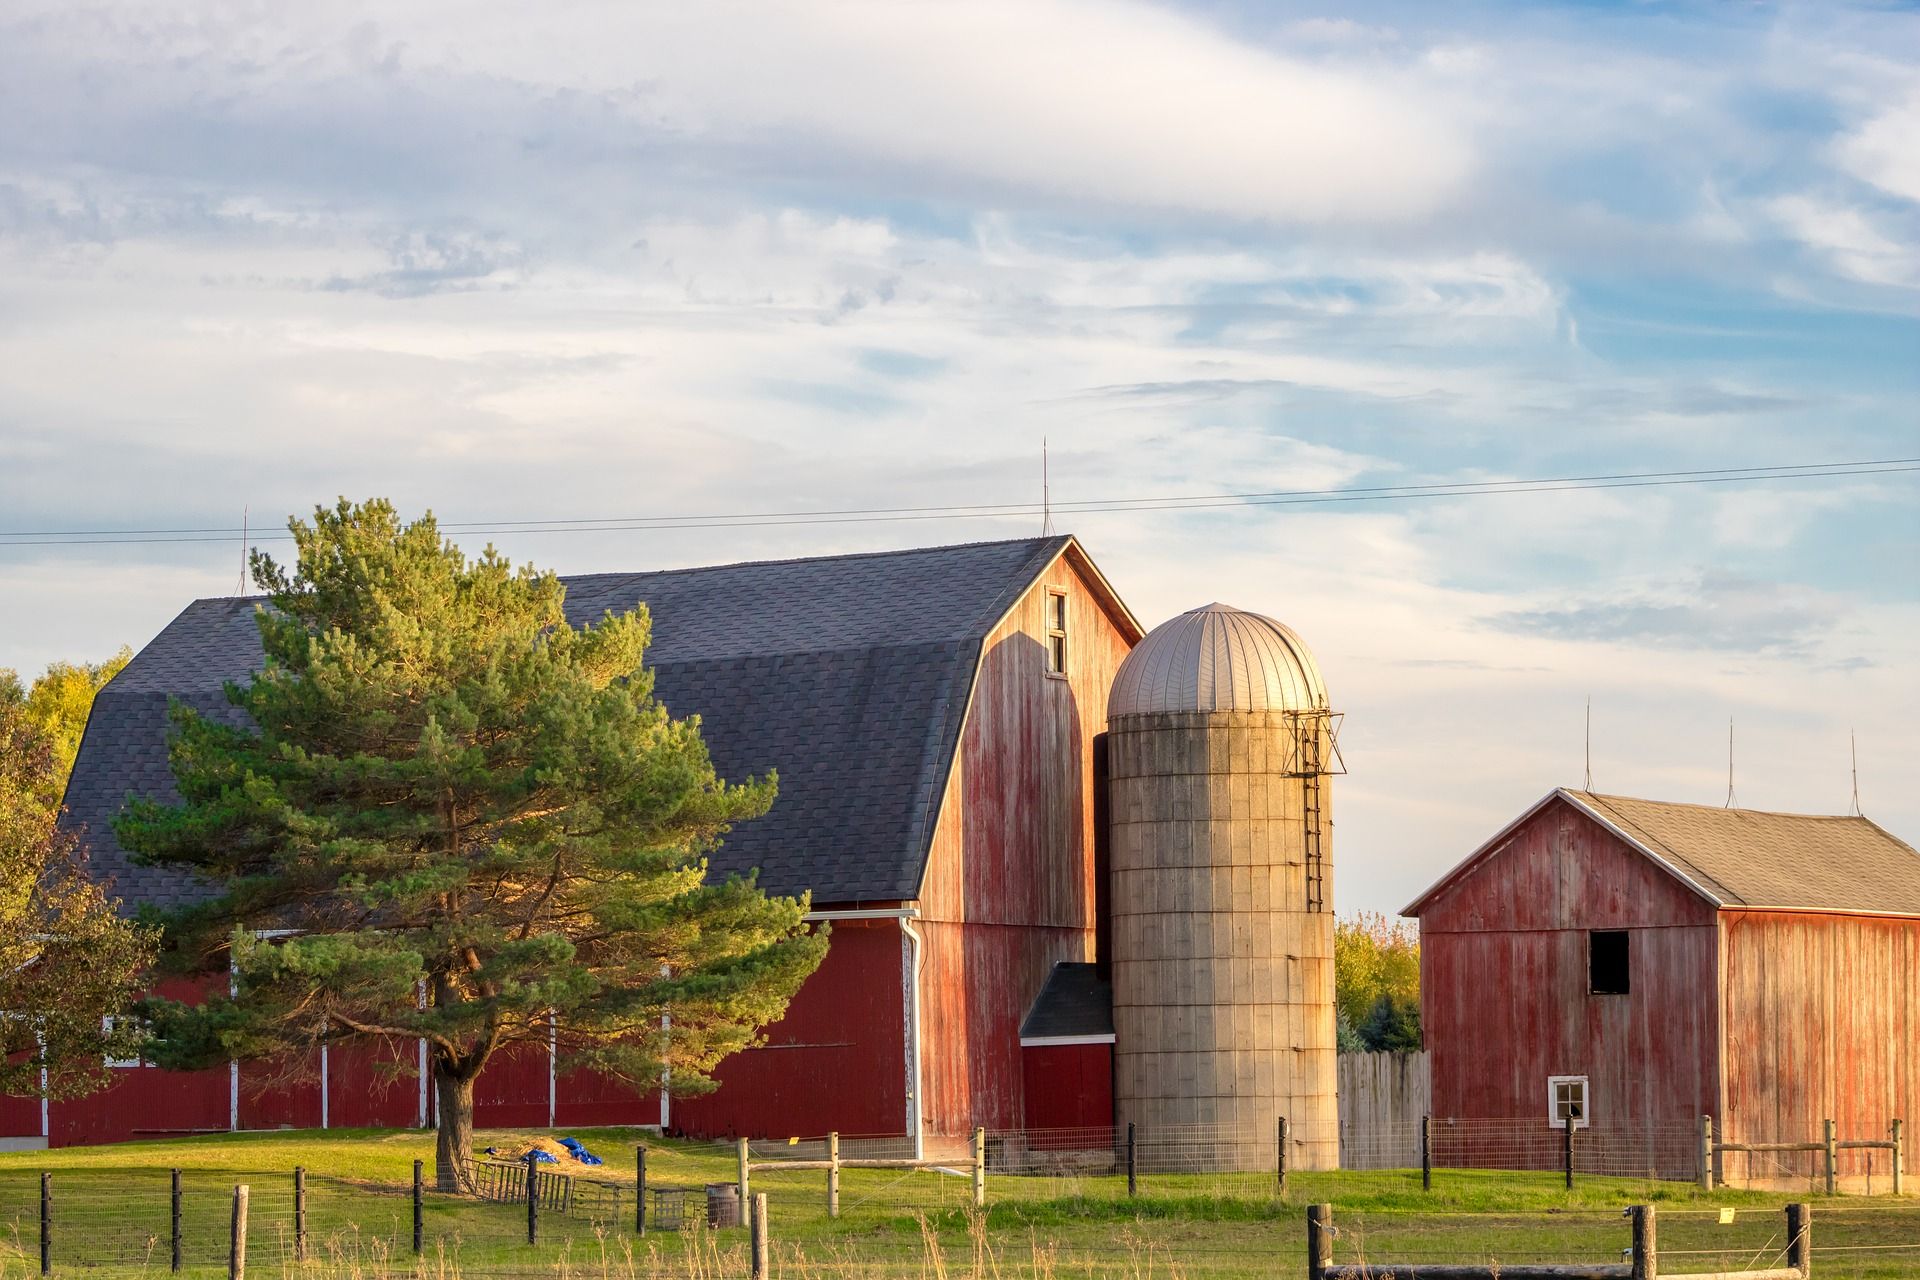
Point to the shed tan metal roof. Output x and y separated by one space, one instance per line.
1218 658
1750 858
1746 858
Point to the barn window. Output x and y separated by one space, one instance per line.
1607 962
107 1024
1056 633
1567 1100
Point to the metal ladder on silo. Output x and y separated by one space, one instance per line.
1311 814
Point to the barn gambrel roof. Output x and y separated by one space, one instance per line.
849 674
1745 859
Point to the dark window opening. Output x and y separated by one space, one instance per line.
1607 969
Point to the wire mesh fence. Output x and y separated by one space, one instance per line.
1196 1201
894 1222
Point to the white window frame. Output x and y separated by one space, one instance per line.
1056 629
1554 1118
107 1024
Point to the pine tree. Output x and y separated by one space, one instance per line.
455 817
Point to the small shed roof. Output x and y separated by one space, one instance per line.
1074 1007
849 674
1747 858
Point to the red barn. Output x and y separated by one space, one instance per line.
1642 964
932 714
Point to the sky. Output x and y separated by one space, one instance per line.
512 262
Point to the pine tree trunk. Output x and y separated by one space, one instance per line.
453 1147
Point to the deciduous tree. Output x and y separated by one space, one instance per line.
69 963
1376 979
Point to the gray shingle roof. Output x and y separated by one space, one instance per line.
1075 1003
850 674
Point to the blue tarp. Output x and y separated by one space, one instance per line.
580 1151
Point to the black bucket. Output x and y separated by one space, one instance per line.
723 1205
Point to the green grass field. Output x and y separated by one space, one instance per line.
111 1209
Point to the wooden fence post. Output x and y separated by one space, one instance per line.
833 1174
640 1190
1133 1167
533 1198
1319 1240
1899 1157
300 1210
1646 1259
1426 1153
1831 1140
1799 1238
419 1205
760 1236
46 1224
746 1202
237 1237
1281 1138
1566 1144
979 1167
176 1220
1706 1153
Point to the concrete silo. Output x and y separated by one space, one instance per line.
1219 750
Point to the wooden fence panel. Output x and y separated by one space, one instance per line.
1382 1098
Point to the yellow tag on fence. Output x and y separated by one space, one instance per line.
793 1142
1726 1217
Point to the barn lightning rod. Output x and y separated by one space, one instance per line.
1046 494
1729 803
1853 749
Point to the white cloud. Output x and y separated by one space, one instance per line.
1857 245
1885 149
642 259
1104 102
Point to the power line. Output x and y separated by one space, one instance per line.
1194 502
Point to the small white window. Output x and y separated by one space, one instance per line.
1567 1100
1056 632
107 1024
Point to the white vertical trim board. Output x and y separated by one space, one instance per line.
420 1003
553 1069
326 1089
233 1065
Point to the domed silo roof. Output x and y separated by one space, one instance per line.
1218 658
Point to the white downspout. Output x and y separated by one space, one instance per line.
911 954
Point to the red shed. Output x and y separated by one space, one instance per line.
1643 964
932 714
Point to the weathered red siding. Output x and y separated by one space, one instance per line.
1010 885
1823 1022
365 1092
1068 1086
835 1062
143 1102
1504 981
590 1099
